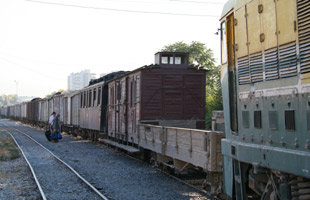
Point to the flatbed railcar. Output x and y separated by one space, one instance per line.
266 95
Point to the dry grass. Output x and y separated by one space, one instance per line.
8 148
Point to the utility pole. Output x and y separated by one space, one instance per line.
16 90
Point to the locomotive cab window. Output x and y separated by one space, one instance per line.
223 43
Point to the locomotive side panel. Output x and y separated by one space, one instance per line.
265 96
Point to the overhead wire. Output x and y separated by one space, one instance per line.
33 61
163 2
29 69
121 10
200 2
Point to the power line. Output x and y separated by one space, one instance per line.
164 2
202 2
29 69
121 10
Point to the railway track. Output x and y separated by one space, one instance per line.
104 168
44 165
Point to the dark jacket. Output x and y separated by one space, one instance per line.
56 125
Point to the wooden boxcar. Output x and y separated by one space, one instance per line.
4 111
33 111
43 112
58 105
93 106
169 93
24 111
71 112
75 109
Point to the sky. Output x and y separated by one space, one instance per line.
42 42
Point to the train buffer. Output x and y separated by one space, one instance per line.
127 148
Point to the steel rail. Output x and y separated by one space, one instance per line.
178 179
31 169
67 165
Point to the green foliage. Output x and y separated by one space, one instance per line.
8 149
200 55
214 101
53 93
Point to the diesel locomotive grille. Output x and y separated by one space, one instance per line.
303 17
271 64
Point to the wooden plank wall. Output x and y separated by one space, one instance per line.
200 148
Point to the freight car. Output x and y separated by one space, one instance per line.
169 93
157 109
4 111
71 112
266 95
93 106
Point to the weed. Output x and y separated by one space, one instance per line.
8 148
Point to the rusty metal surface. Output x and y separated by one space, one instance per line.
33 110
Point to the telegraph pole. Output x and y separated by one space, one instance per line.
16 90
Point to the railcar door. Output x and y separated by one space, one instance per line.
228 55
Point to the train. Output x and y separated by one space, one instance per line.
265 68
265 75
157 110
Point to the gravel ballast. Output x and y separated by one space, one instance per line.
115 174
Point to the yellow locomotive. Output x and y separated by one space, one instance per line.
265 60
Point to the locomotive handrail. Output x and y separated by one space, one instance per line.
179 128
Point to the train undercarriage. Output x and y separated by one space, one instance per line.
258 183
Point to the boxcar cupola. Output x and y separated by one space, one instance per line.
168 59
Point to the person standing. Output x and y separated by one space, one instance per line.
56 127
49 127
50 121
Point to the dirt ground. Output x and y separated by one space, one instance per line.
16 181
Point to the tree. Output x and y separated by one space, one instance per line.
53 93
8 99
200 55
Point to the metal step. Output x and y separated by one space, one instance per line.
127 148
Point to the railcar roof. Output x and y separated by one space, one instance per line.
152 66
106 78
35 99
227 7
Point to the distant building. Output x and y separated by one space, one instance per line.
77 81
